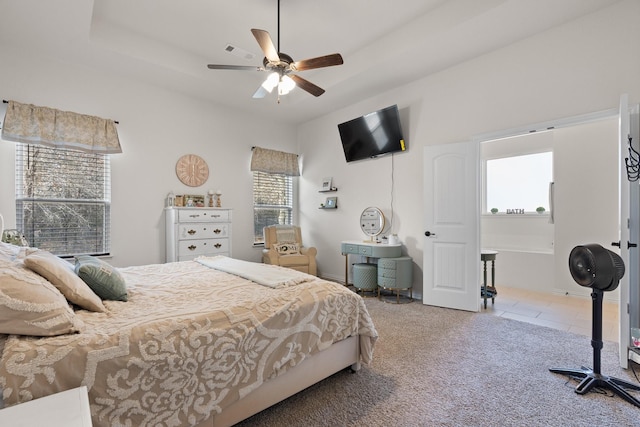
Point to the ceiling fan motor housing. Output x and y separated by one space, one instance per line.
283 66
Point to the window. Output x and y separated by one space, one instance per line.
519 182
272 202
63 199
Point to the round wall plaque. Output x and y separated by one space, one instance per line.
192 170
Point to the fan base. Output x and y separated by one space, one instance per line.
591 379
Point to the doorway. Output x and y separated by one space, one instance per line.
533 248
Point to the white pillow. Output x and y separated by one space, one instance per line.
61 274
30 305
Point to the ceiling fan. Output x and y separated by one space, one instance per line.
282 67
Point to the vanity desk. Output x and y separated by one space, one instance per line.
392 271
369 250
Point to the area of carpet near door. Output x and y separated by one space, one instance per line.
440 367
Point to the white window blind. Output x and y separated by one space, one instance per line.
272 201
63 199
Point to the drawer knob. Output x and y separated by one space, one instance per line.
217 231
192 247
217 245
191 232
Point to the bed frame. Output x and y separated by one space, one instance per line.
340 355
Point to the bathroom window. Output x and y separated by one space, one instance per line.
518 184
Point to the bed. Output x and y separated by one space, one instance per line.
194 344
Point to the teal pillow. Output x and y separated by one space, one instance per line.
101 277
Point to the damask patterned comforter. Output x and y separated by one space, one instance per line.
190 341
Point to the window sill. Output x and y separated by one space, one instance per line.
506 215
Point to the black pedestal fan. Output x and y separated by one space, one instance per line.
600 269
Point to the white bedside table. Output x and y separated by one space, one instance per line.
66 409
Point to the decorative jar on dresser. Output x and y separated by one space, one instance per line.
194 232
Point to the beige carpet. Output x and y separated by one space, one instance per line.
440 367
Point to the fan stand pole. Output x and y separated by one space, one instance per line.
592 377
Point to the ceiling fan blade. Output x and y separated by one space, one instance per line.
261 92
319 62
235 67
266 44
307 85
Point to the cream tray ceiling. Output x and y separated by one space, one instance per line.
384 43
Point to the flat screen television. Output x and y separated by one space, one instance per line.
372 135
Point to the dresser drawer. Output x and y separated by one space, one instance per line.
385 272
365 250
386 282
203 215
202 247
349 248
388 263
192 231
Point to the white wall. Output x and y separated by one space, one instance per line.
156 128
578 68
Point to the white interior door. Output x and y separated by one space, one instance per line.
623 337
629 229
452 233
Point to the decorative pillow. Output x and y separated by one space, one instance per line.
102 278
30 305
60 273
9 252
287 248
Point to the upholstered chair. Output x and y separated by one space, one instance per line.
283 247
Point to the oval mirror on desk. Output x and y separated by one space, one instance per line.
372 221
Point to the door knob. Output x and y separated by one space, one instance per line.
428 233
615 244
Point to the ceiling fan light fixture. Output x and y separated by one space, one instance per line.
271 81
286 85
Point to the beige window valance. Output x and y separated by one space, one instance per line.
31 124
272 161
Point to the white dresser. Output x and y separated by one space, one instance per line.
193 232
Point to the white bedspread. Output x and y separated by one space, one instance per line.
261 274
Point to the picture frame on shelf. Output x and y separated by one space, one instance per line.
331 203
194 200
326 184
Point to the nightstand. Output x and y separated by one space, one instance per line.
66 409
